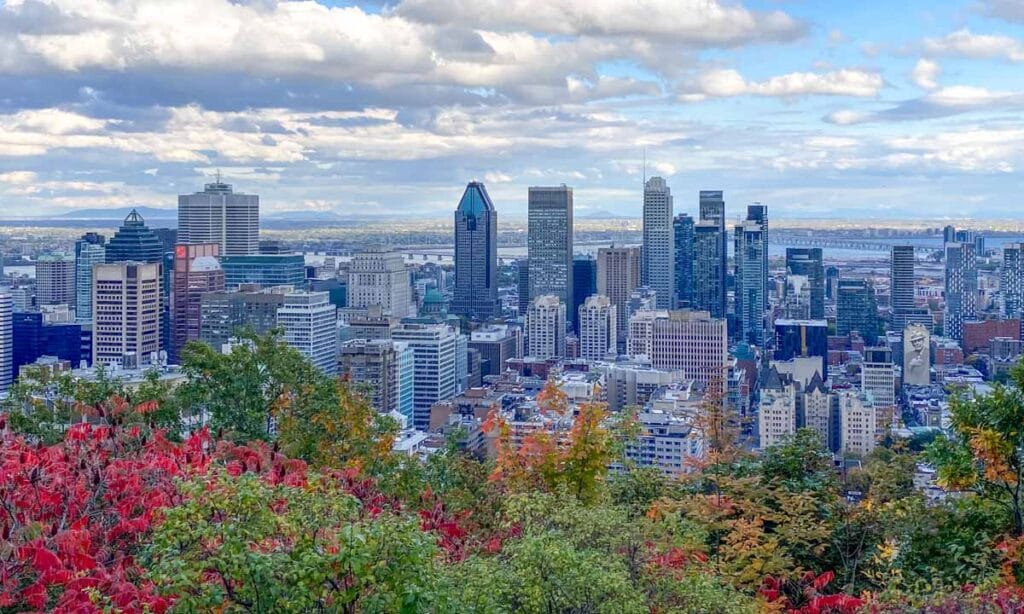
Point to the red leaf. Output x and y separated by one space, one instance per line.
823 580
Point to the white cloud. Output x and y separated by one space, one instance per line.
846 117
968 96
979 46
925 74
18 177
1010 10
497 177
844 82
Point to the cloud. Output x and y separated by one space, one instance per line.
964 43
925 73
846 117
1009 10
844 82
18 177
497 177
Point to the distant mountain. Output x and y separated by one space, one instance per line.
118 213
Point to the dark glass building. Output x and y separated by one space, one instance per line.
476 255
708 270
134 241
802 338
264 269
584 282
549 243
808 262
32 338
856 309
682 231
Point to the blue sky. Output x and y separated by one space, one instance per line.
822 108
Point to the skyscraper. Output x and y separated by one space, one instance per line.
802 338
545 327
657 262
476 255
219 215
808 261
708 268
223 313
712 207
961 288
856 309
379 364
751 276
949 234
134 241
597 324
6 341
523 284
196 272
309 322
378 276
682 232
901 273
690 341
89 250
1011 279
126 312
435 365
549 242
584 281
618 275
55 280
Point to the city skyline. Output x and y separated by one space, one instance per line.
819 111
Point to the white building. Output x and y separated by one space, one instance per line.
6 341
435 365
658 263
859 422
220 215
309 321
777 411
55 280
689 341
878 378
598 321
667 442
817 407
378 276
545 327
126 300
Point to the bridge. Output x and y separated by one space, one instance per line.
801 240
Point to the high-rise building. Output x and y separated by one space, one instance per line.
224 314
220 215
831 282
35 337
878 377
657 266
1011 279
584 281
859 422
264 270
523 284
751 279
126 314
135 242
384 368
196 272
89 250
777 412
682 233
618 275
549 242
802 338
310 325
949 234
808 261
435 365
55 280
712 207
545 327
6 341
598 324
961 289
856 309
689 341
476 255
901 274
817 412
496 344
708 270
378 276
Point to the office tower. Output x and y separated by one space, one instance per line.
751 281
6 341
545 327
808 262
55 280
264 270
496 344
961 288
476 255
523 284
435 368
964 236
859 422
856 309
690 341
168 238
382 368
758 214
795 303
878 377
682 234
126 299
35 337
1011 279
901 280
598 325
712 207
708 268
196 272
310 325
219 215
584 281
657 263
949 234
618 275
378 276
89 250
831 282
223 315
777 412
549 243
134 241
803 339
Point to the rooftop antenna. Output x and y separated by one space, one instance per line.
645 165
218 175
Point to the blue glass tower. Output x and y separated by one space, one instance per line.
476 255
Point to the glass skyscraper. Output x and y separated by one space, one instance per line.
712 214
549 243
476 255
584 282
134 241
682 231
856 309
808 261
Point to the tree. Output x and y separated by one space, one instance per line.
799 462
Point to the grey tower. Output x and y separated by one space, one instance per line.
657 264
1011 279
549 243
708 269
752 275
901 274
476 255
808 261
220 215
682 229
961 289
712 210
